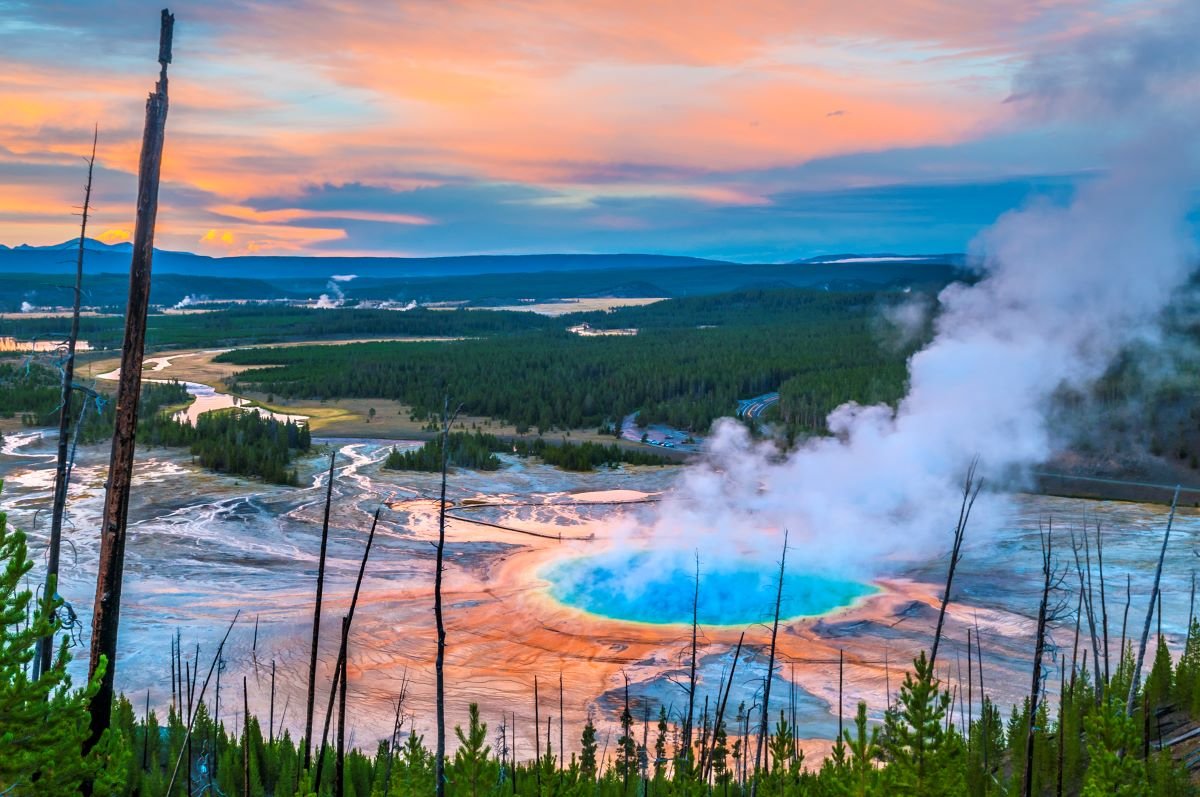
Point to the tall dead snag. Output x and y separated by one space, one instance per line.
1085 589
107 607
1103 603
186 745
46 643
245 738
537 741
1051 581
766 706
562 739
1141 656
316 632
339 670
706 764
970 492
339 770
686 747
440 662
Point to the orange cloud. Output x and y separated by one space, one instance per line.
114 236
284 215
220 237
550 93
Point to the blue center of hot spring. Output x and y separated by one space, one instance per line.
645 589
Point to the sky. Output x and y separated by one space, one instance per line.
757 131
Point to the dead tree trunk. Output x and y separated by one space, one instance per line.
316 632
562 750
245 738
107 607
46 643
970 694
707 765
766 707
440 662
187 741
970 492
1062 716
339 669
339 769
1035 689
1141 656
271 724
537 741
686 749
1103 604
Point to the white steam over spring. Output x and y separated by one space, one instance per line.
335 298
1062 290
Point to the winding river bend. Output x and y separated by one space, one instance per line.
206 398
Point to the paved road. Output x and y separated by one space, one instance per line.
755 407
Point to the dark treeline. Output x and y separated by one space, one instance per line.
585 456
478 451
274 324
234 442
692 366
245 443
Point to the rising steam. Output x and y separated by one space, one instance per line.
335 297
1062 290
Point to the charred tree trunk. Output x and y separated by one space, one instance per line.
562 750
271 725
339 770
970 492
706 765
245 738
686 749
1035 690
1141 656
440 662
107 607
1103 605
187 742
766 707
537 741
46 644
316 632
339 669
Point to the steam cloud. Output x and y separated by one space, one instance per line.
1062 290
335 297
189 300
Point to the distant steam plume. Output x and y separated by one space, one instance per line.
335 297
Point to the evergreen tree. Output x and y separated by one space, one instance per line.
43 721
587 756
471 760
923 756
1112 769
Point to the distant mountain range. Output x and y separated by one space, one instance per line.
40 276
105 258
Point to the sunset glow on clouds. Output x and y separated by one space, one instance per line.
765 129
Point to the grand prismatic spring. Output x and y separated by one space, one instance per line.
534 587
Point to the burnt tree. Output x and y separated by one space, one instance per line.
107 607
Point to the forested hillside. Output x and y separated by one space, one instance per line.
478 451
690 363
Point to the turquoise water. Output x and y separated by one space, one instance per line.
634 586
